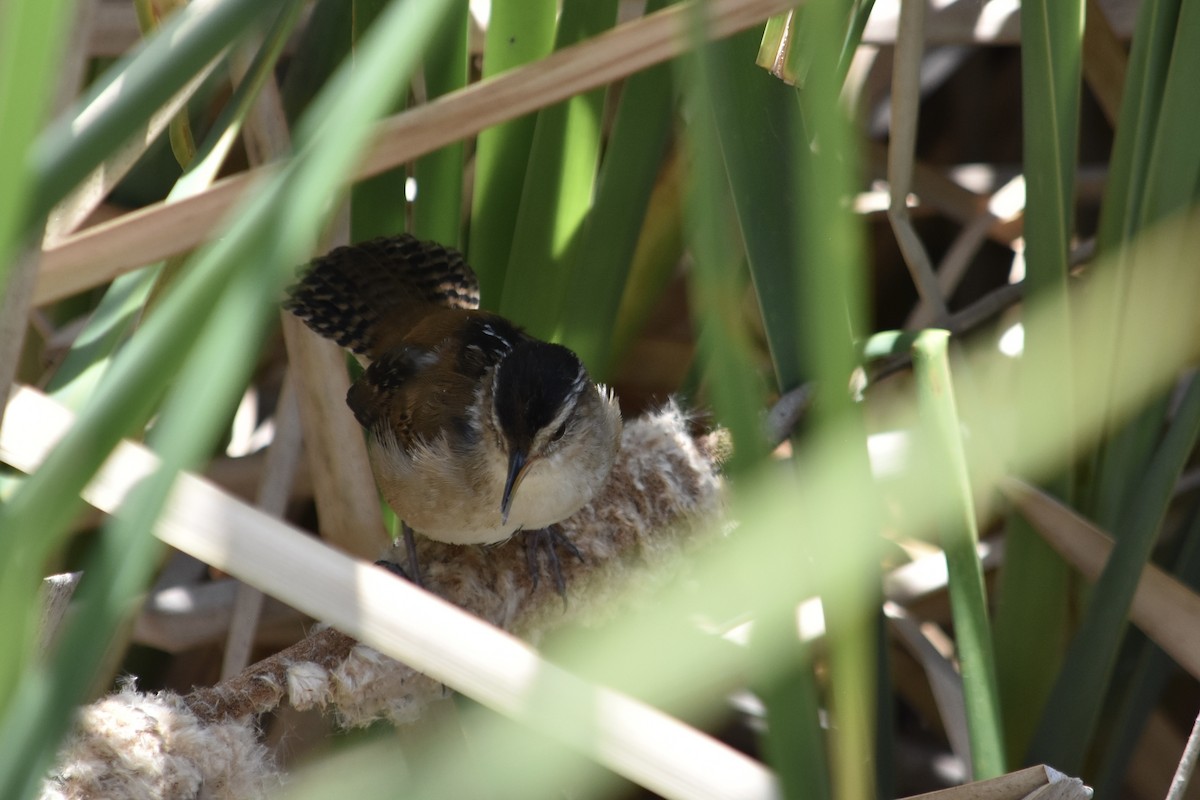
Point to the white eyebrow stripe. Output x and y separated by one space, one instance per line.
581 383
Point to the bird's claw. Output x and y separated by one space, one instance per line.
548 540
413 573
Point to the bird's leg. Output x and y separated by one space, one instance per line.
410 547
549 539
413 573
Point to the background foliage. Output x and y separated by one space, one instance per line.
966 253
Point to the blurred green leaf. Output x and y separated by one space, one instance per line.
735 391
830 317
760 132
131 90
438 207
519 31
557 190
1154 176
1149 676
127 298
860 13
1031 619
320 48
378 204
794 744
31 38
603 260
179 130
1072 711
654 263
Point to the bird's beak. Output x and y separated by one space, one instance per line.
516 473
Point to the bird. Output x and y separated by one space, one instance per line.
476 430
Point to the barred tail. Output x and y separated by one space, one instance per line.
366 297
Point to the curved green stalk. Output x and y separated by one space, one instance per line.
946 467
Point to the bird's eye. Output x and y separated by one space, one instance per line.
558 434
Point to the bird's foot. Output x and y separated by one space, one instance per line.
394 568
548 540
413 573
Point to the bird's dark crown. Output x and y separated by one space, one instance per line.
533 382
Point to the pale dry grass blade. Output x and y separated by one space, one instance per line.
71 80
76 207
344 488
57 591
76 56
266 133
106 251
913 584
14 314
595 62
19 290
115 29
343 485
1032 783
1155 758
156 232
181 617
1105 61
980 22
906 103
283 456
1163 608
1187 764
1003 207
935 189
944 681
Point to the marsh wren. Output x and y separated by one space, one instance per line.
477 430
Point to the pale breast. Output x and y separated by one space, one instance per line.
554 488
429 489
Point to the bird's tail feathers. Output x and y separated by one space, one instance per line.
367 296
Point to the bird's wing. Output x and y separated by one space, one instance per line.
424 387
